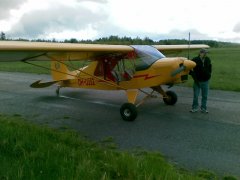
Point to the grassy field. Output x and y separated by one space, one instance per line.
226 68
225 61
28 151
23 67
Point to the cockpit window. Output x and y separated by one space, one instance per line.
147 55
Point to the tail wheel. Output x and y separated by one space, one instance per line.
58 90
171 98
128 112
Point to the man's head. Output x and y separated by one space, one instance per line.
203 52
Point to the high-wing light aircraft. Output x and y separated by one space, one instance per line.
108 67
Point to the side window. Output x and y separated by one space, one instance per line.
124 70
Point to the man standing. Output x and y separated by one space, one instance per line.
201 75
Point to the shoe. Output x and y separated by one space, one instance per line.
193 110
204 111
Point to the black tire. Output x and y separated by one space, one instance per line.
171 99
128 112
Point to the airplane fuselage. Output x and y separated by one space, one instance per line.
159 73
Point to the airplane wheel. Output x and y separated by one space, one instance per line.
172 98
128 112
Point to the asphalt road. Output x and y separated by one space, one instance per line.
193 141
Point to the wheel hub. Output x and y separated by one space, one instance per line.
127 112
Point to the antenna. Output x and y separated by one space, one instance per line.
189 42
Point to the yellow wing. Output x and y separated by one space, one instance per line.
16 50
168 49
19 50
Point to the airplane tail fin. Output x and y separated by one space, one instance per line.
60 71
60 74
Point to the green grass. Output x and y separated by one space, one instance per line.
43 69
23 67
226 68
28 151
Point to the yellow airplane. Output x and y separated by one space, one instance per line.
108 67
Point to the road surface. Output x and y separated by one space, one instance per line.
193 141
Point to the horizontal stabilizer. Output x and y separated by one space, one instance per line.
38 84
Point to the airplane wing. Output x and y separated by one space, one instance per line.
168 49
18 50
41 51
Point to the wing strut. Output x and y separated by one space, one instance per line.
25 60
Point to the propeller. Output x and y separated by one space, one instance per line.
182 67
178 70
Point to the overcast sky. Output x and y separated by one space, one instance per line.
92 19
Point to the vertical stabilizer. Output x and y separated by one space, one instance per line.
60 71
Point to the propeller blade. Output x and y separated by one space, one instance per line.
178 70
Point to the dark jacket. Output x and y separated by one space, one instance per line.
202 72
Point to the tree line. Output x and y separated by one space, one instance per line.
130 41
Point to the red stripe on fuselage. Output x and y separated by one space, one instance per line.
145 76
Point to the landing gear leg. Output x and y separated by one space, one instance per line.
58 90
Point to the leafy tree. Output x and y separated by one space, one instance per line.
3 36
130 41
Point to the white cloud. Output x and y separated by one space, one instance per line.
154 16
7 5
84 34
205 19
59 19
237 28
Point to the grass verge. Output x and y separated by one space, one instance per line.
225 63
28 151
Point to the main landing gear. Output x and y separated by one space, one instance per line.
128 110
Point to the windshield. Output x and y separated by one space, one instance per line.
147 55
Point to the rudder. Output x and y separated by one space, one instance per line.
59 71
